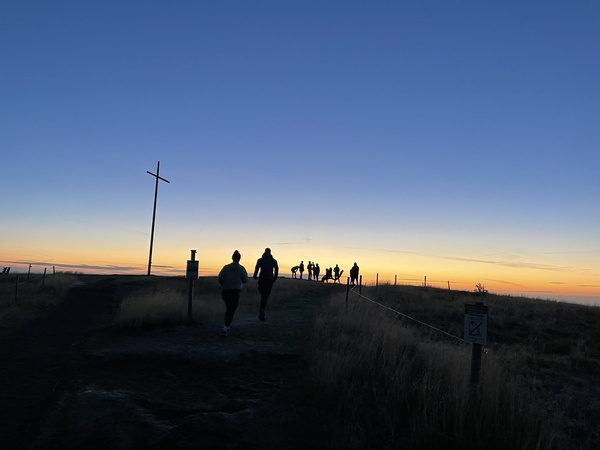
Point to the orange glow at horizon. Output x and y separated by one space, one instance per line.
403 269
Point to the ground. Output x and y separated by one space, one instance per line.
69 382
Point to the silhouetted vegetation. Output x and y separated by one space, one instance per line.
380 380
19 302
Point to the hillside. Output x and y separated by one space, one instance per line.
79 376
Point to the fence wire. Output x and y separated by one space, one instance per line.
420 322
12 283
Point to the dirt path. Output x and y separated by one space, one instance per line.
178 387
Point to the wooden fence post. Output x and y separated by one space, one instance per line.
44 277
395 280
360 284
376 281
347 291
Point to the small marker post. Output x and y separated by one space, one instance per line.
191 274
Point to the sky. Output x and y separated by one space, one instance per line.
452 140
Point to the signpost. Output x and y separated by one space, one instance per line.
475 332
191 274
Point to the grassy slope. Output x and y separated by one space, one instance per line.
384 380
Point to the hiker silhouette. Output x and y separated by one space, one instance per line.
266 272
354 274
231 278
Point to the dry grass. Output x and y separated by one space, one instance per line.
32 296
381 381
166 303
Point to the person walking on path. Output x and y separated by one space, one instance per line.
231 278
269 270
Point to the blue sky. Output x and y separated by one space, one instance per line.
457 140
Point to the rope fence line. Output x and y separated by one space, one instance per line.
12 284
407 316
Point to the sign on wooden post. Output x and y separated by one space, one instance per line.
475 332
191 274
475 324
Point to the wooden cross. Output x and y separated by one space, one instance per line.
156 175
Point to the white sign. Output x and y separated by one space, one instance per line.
475 324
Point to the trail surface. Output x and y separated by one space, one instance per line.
66 385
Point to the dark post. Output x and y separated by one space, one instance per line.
395 279
347 291
376 281
191 274
44 277
53 272
425 281
360 284
154 212
475 364
29 272
190 298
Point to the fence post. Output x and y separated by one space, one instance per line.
28 272
448 284
44 277
376 281
395 280
347 291
425 281
17 290
475 364
53 272
360 284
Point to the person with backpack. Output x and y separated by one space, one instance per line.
266 272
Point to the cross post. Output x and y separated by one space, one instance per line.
156 175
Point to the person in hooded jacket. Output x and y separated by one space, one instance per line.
266 272
231 278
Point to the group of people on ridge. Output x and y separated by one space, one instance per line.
334 273
313 270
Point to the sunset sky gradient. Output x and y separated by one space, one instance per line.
454 140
